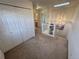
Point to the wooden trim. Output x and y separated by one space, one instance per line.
15 6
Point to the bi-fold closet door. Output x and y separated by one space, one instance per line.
16 26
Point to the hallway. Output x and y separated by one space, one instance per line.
40 47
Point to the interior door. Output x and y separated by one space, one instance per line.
10 34
26 24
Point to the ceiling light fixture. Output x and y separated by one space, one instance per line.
38 7
62 4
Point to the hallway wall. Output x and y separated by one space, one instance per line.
73 37
16 24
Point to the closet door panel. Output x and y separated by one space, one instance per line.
27 25
10 34
16 26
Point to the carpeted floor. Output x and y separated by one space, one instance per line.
40 47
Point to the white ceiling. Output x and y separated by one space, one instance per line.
48 3
21 3
43 3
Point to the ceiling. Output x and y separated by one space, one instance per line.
21 3
50 3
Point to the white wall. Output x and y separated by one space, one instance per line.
16 25
1 55
65 14
73 38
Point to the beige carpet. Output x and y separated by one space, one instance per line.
40 47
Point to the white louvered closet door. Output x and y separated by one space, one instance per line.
16 26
